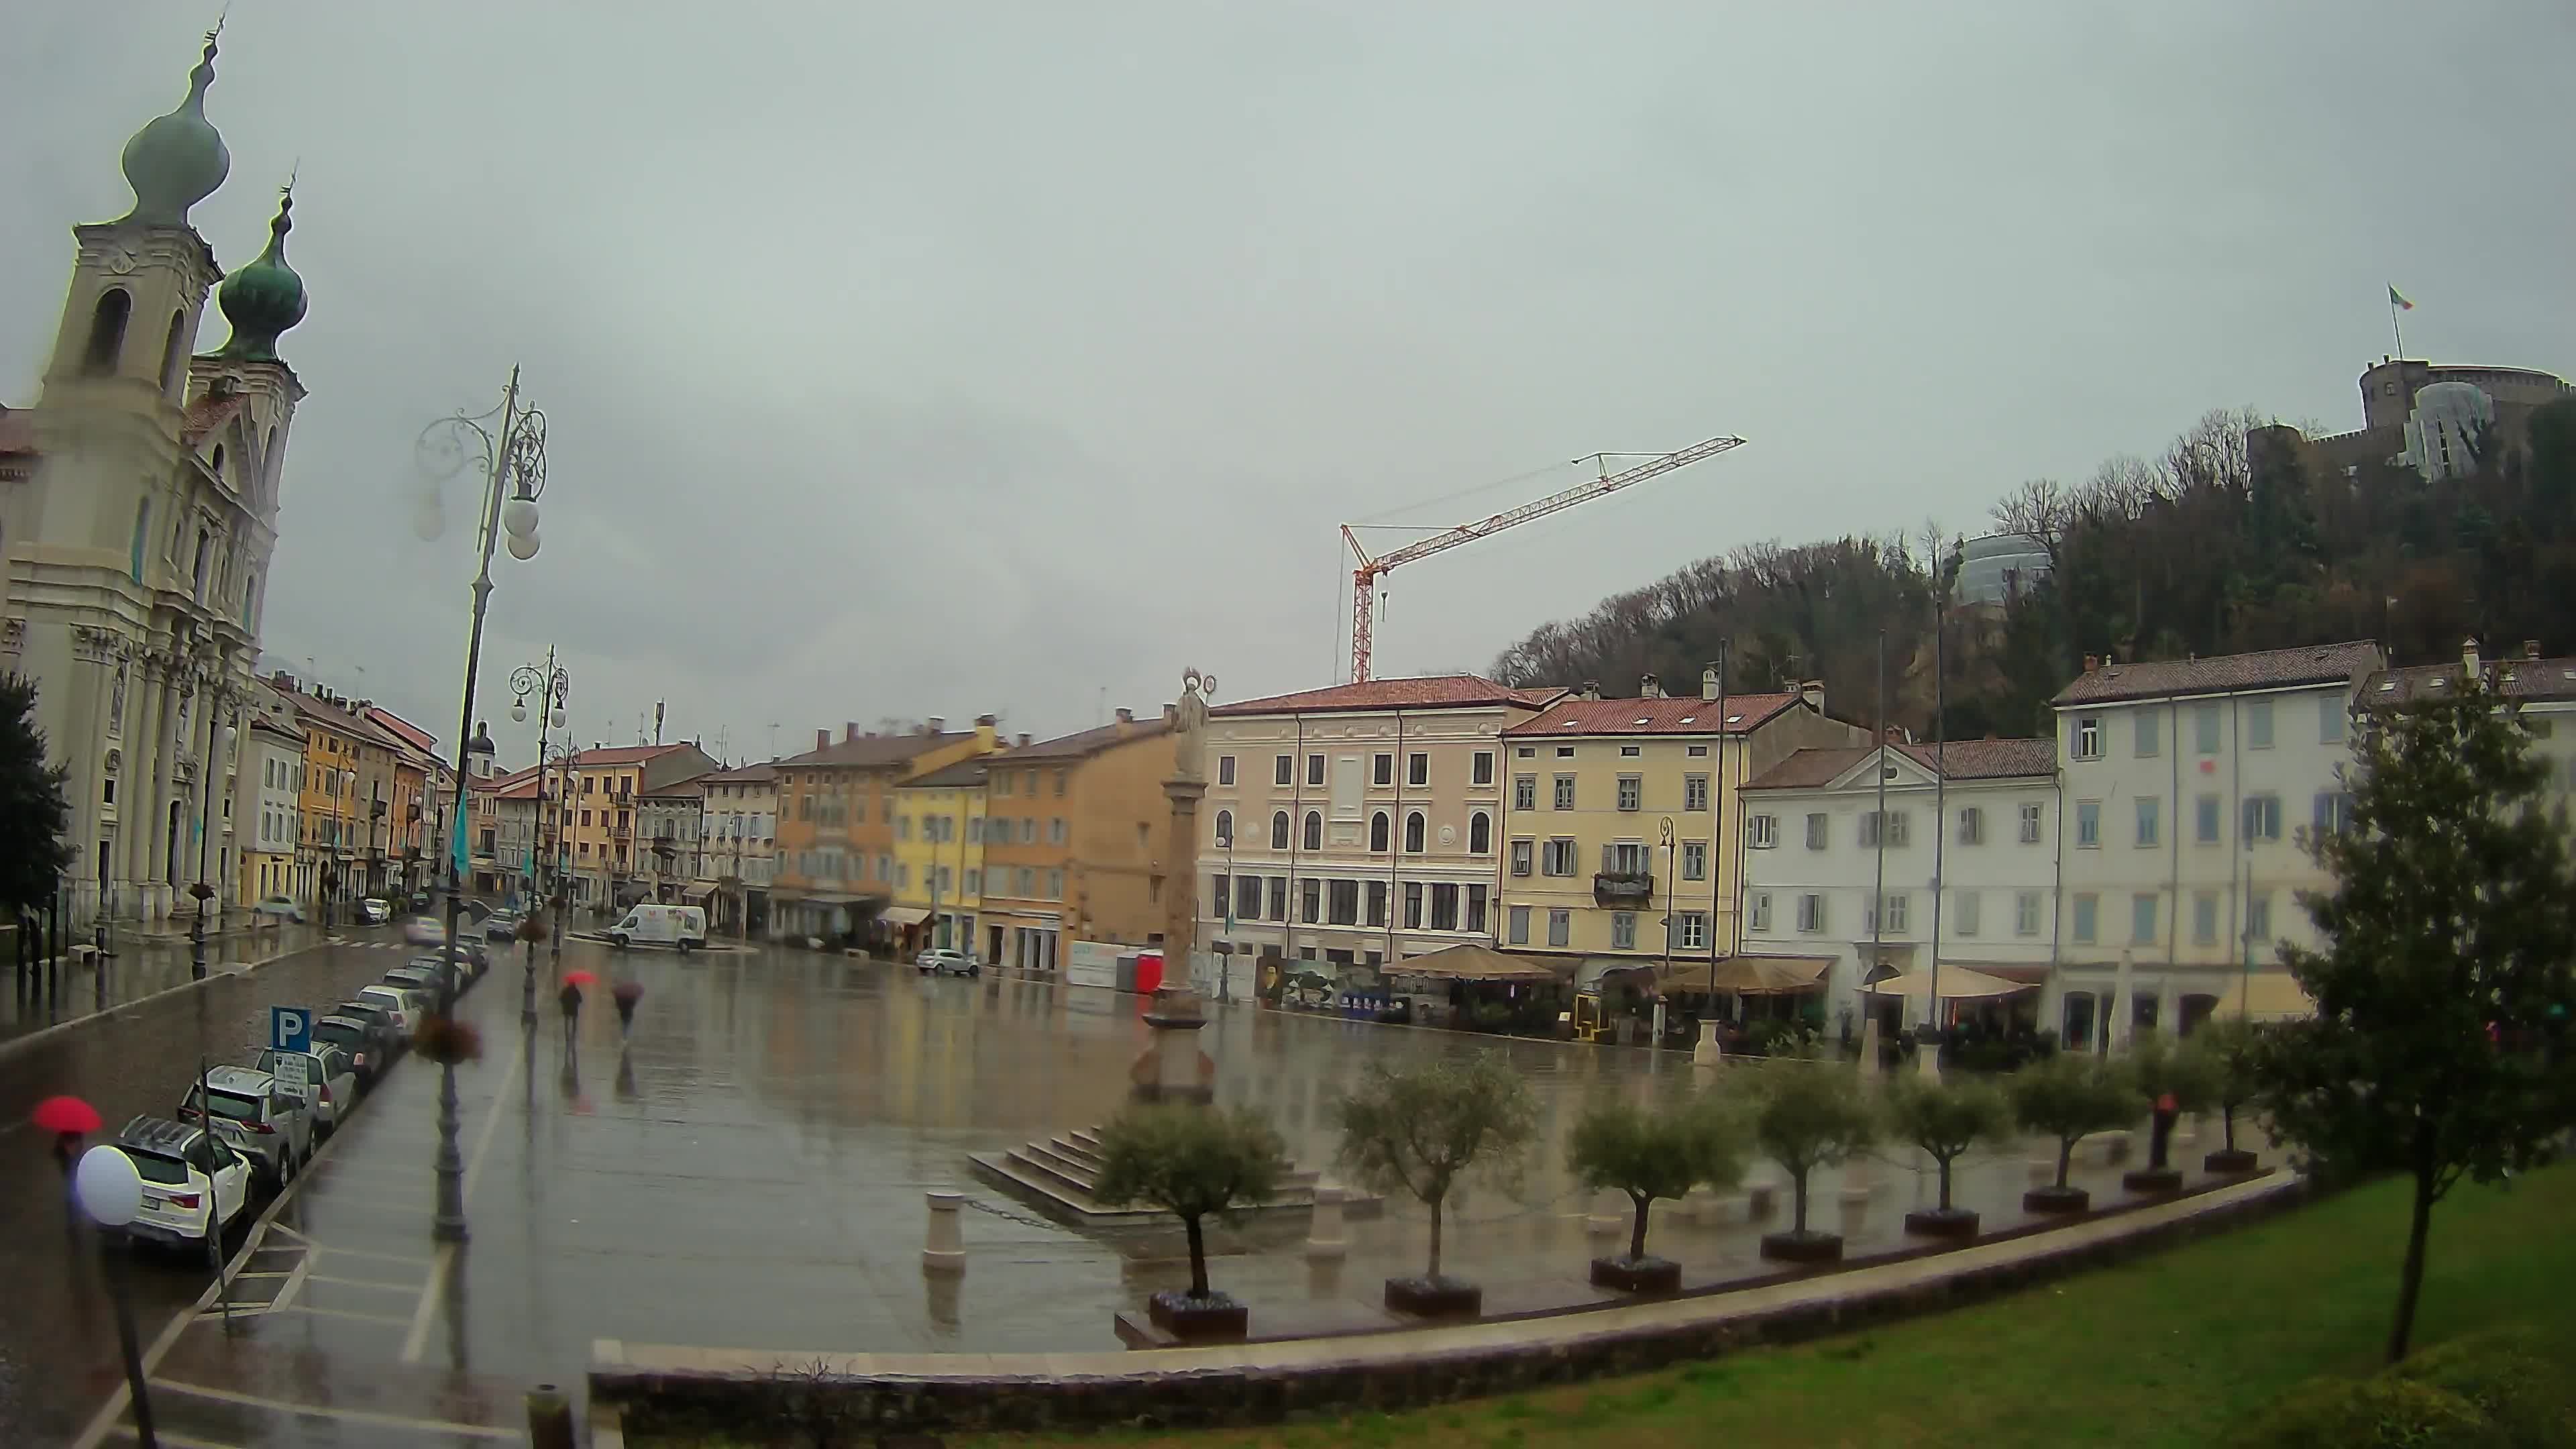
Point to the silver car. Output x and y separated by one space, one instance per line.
255 1116
330 1082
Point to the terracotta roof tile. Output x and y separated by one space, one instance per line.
1437 691
597 756
2263 669
2515 677
1690 716
874 749
760 774
1967 760
207 414
964 775
1084 743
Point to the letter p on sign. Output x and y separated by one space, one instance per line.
290 1029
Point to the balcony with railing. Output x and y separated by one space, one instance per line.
1623 889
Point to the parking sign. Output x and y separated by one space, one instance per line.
290 1029
293 1070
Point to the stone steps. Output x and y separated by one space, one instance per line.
1061 1174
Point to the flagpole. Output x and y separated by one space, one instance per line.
2395 327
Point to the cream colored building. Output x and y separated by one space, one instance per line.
1622 815
1360 824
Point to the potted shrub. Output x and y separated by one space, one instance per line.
1812 1114
1650 1154
2228 1047
1946 1118
2069 1097
1418 1129
1192 1162
2173 1080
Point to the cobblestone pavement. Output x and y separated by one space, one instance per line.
140 966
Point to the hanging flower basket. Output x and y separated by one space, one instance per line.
531 929
447 1041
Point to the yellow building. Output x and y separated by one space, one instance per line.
330 804
939 856
1621 814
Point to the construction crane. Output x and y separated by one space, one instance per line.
1364 577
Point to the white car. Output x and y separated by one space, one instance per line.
193 1185
942 961
256 1117
280 908
330 1082
404 1007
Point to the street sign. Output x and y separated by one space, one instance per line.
293 1070
290 1029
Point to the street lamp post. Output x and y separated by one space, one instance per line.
551 685
514 468
563 848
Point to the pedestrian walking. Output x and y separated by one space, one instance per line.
626 994
570 1000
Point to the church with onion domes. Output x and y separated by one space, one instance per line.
138 516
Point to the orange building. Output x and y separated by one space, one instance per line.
837 872
1077 843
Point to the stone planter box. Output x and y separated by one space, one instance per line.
1942 1223
1435 1297
1649 1274
2056 1200
1217 1318
1807 1247
2153 1180
2229 1161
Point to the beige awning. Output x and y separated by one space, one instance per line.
1478 963
1765 975
1958 983
2266 996
903 915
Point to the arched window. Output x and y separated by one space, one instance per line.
1377 832
142 525
1413 832
1480 834
216 467
1279 831
173 348
107 331
1314 830
1225 827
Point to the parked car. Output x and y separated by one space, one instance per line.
194 1186
389 1037
279 908
356 1037
330 1082
501 926
468 967
682 926
405 1007
375 910
257 1117
940 960
421 981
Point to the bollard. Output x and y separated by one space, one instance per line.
1869 1065
1324 1240
1706 1052
945 1251
549 1418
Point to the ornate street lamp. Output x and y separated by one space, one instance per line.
551 686
509 444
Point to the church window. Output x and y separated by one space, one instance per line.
107 331
174 347
142 526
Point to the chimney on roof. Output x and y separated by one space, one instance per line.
2530 648
938 724
1649 687
1021 740
2092 663
1811 693
1127 716
1708 683
988 720
2469 657
283 680
822 739
1591 689
850 729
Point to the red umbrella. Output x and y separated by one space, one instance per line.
67 1114
629 992
579 978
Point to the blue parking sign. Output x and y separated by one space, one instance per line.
290 1028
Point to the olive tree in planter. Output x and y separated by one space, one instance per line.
1192 1162
2172 1079
2069 1096
1812 1113
2228 1048
1648 1154
1946 1118
1418 1129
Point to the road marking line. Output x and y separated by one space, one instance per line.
266 1273
354 1416
385 1318
177 1441
363 1283
436 1288
320 1247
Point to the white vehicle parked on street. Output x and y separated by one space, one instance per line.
945 962
280 908
684 927
330 1082
257 1117
404 1007
193 1185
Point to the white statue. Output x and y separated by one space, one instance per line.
1189 733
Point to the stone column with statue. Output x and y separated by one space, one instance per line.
1172 1068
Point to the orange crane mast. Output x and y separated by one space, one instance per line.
1365 576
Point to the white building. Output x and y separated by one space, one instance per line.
1830 879
1309 847
268 820
739 855
2186 783
137 545
2542 691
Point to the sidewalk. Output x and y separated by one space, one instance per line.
73 987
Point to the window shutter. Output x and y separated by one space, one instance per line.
1609 860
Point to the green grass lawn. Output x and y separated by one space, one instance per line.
2168 1350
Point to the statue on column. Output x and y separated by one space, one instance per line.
116 702
1189 733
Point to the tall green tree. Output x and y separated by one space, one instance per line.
35 819
2439 1048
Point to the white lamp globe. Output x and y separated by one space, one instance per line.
523 546
558 717
519 517
109 1188
519 713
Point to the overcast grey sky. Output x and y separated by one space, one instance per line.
913 360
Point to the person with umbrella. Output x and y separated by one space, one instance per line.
626 994
570 999
71 1121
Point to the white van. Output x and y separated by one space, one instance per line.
681 926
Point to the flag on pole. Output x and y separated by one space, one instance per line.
2398 300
